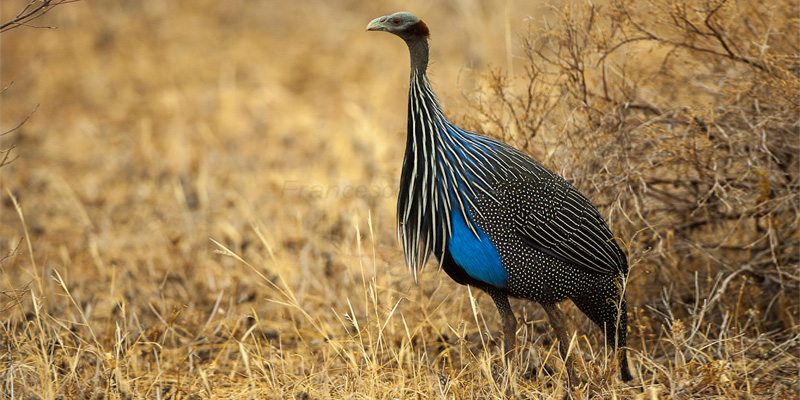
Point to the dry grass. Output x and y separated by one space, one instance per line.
203 203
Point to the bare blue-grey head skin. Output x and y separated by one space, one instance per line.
498 220
409 28
400 23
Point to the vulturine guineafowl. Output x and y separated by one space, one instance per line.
498 220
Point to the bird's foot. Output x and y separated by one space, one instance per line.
501 374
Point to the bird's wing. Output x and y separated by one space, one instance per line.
550 215
555 218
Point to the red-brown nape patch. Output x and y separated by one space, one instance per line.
419 29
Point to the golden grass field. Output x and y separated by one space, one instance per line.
203 203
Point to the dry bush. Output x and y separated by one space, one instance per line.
680 120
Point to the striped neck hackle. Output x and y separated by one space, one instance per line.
440 179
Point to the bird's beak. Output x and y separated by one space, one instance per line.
376 25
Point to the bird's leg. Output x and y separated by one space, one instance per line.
509 322
559 322
620 341
625 371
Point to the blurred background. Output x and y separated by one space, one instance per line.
203 201
162 124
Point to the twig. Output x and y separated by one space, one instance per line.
31 12
19 125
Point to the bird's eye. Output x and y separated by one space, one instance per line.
396 21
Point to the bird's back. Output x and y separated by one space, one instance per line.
550 215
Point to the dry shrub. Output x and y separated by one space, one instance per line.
679 118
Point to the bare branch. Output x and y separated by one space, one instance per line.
33 10
6 154
21 123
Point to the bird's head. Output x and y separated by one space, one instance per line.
403 24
